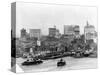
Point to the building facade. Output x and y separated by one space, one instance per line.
35 33
52 32
58 34
77 31
68 30
89 32
23 33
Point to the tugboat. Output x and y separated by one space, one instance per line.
61 63
32 62
88 53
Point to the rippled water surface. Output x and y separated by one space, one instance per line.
51 65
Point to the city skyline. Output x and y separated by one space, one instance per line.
53 37
30 17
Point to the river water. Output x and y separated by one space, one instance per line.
51 65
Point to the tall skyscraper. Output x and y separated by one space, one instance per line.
89 32
77 31
52 31
68 30
35 33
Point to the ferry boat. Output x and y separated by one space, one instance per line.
32 62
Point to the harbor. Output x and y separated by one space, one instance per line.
51 65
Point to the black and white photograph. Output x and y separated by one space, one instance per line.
53 37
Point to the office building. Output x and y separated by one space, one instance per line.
35 33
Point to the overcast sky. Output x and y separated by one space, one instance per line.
43 16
